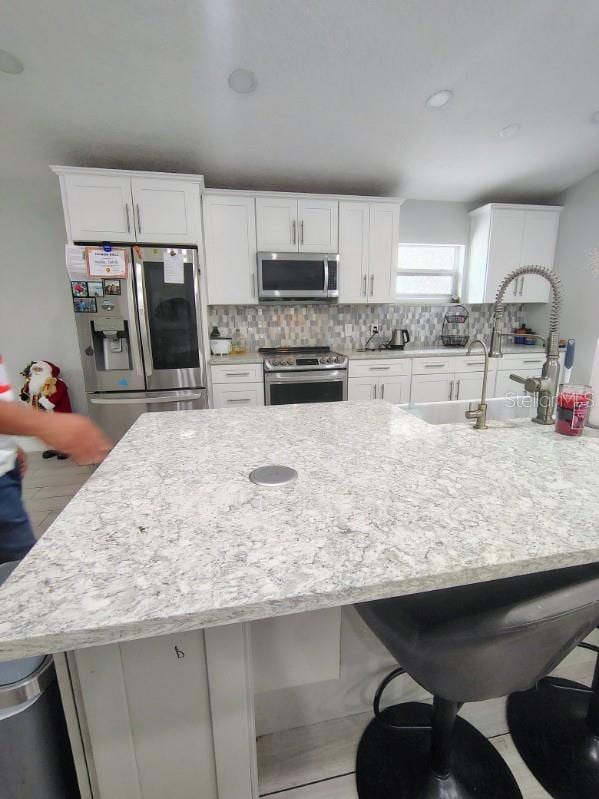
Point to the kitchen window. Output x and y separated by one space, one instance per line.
429 272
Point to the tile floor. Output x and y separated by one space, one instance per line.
48 487
315 762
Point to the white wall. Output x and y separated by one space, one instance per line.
424 222
36 317
577 263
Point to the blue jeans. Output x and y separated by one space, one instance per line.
16 535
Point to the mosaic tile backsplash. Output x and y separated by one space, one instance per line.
310 325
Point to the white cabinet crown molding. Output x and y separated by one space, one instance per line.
306 195
514 207
131 173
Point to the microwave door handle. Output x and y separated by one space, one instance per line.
326 277
143 318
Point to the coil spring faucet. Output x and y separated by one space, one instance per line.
546 386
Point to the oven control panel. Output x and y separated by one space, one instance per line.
331 360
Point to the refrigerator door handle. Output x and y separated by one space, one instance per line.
143 318
146 400
134 336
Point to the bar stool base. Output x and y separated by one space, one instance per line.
396 765
548 726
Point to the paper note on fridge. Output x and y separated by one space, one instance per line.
173 267
76 263
106 263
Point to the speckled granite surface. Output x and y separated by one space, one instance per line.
231 360
170 534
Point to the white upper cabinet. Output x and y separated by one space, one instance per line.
383 251
166 211
276 224
287 224
538 248
368 250
318 225
99 207
230 243
114 205
354 227
504 237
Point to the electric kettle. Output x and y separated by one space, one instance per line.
398 340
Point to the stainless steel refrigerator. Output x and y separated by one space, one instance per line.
140 340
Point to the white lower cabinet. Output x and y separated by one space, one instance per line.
362 388
237 386
432 388
468 386
394 389
242 395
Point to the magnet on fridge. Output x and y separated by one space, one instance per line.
107 246
123 382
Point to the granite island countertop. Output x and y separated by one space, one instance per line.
169 534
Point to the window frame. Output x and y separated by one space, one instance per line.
432 299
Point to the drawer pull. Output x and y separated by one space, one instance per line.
537 361
475 363
241 399
434 365
236 374
375 368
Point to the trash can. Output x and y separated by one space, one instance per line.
35 753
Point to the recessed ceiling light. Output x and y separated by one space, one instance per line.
595 118
439 99
510 130
10 63
243 81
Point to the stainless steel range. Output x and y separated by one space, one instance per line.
303 374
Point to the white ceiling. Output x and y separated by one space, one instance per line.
340 101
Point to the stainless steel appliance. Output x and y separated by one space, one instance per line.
298 276
398 340
140 341
303 374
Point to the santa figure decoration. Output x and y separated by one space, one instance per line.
43 389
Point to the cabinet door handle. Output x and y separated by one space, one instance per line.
451 390
371 285
364 287
457 395
515 287
521 285
253 282
293 232
302 232
127 217
138 218
378 368
374 393
434 365
382 391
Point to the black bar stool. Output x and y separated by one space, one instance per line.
555 727
466 644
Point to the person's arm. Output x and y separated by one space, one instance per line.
65 432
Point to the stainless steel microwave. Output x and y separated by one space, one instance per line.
298 276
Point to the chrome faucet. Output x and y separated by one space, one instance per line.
546 386
480 413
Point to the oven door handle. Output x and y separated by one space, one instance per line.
324 376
